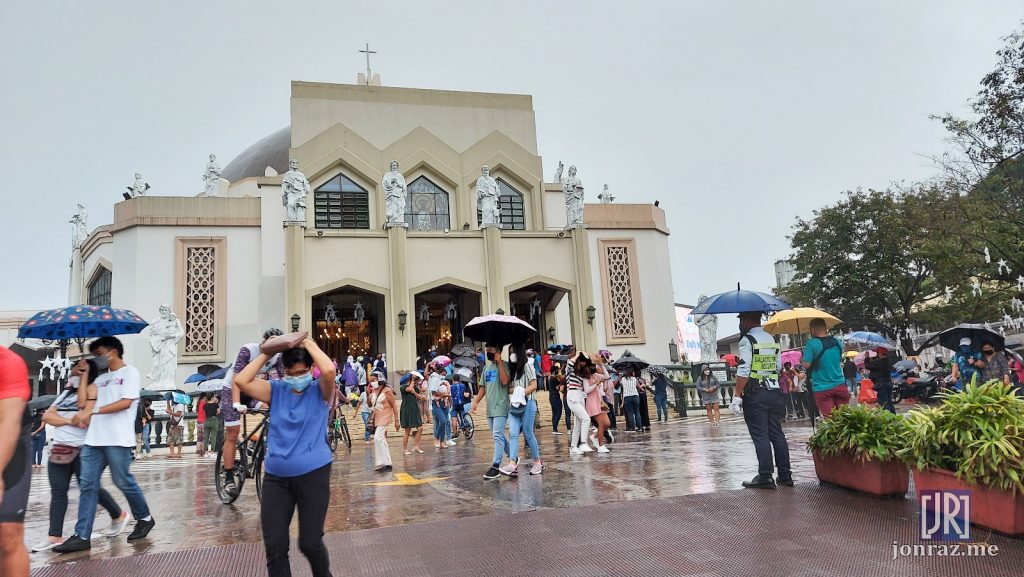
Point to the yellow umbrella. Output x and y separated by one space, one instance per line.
850 354
796 321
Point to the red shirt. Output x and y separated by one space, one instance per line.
13 376
545 363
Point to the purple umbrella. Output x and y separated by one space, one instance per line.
498 330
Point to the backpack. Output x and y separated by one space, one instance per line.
826 344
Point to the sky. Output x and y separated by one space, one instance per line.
737 116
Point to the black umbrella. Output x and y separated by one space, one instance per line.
950 338
41 402
498 330
468 362
559 358
628 361
205 370
146 394
463 350
906 365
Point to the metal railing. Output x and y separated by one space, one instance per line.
687 397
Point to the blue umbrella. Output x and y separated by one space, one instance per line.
740 301
869 339
81 322
196 378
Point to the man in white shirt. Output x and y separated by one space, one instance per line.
759 395
110 418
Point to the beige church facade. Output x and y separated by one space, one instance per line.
229 267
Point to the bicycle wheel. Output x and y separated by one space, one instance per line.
257 469
332 436
345 436
225 496
468 428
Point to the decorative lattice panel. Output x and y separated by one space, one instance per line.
620 292
200 309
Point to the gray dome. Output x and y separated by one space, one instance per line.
269 151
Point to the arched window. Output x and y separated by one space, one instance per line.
99 288
427 207
510 203
341 203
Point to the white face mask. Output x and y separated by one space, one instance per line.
512 358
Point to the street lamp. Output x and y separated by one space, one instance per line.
402 318
295 322
591 314
673 351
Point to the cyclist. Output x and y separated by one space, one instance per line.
233 403
461 396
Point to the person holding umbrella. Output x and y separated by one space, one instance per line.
495 389
879 366
759 395
967 364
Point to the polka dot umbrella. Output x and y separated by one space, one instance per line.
81 322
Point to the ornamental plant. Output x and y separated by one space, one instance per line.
977 433
868 434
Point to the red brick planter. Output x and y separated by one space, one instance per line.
1001 511
881 478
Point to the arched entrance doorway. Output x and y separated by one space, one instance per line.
349 321
536 305
440 315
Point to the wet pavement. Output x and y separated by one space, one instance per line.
681 458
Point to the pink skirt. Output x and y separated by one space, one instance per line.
594 403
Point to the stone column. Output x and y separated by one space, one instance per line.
583 332
495 278
295 276
76 282
400 344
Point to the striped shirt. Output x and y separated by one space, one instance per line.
629 387
573 382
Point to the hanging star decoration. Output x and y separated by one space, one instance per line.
949 293
1002 331
359 314
424 312
1016 304
1020 282
1003 266
330 315
975 288
450 311
47 366
534 308
988 257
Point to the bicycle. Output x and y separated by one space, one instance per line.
249 457
337 430
466 425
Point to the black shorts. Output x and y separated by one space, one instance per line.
17 476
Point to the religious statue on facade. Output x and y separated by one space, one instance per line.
294 188
606 196
573 189
359 314
164 335
708 327
395 194
487 199
137 189
211 178
81 228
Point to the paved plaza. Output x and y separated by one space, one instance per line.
664 503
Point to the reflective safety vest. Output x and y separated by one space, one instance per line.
764 361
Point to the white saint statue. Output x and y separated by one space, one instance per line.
138 188
573 189
294 188
487 199
708 327
211 178
81 230
606 196
164 335
395 193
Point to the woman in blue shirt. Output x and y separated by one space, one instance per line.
298 462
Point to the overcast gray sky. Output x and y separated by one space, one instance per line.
717 109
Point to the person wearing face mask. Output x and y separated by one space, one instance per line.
710 395
967 364
385 412
495 388
578 384
996 366
759 398
879 366
65 461
109 416
522 411
297 471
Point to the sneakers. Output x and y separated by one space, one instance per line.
575 451
492 473
760 482
611 436
74 543
511 469
538 467
229 481
450 443
557 433
117 525
585 448
593 441
142 528
43 546
603 449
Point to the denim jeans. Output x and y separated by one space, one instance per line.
366 421
497 425
38 443
145 437
661 402
632 404
442 425
523 424
555 400
60 484
94 461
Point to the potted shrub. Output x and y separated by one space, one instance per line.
974 441
857 448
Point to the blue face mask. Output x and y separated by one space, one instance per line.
965 349
299 383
